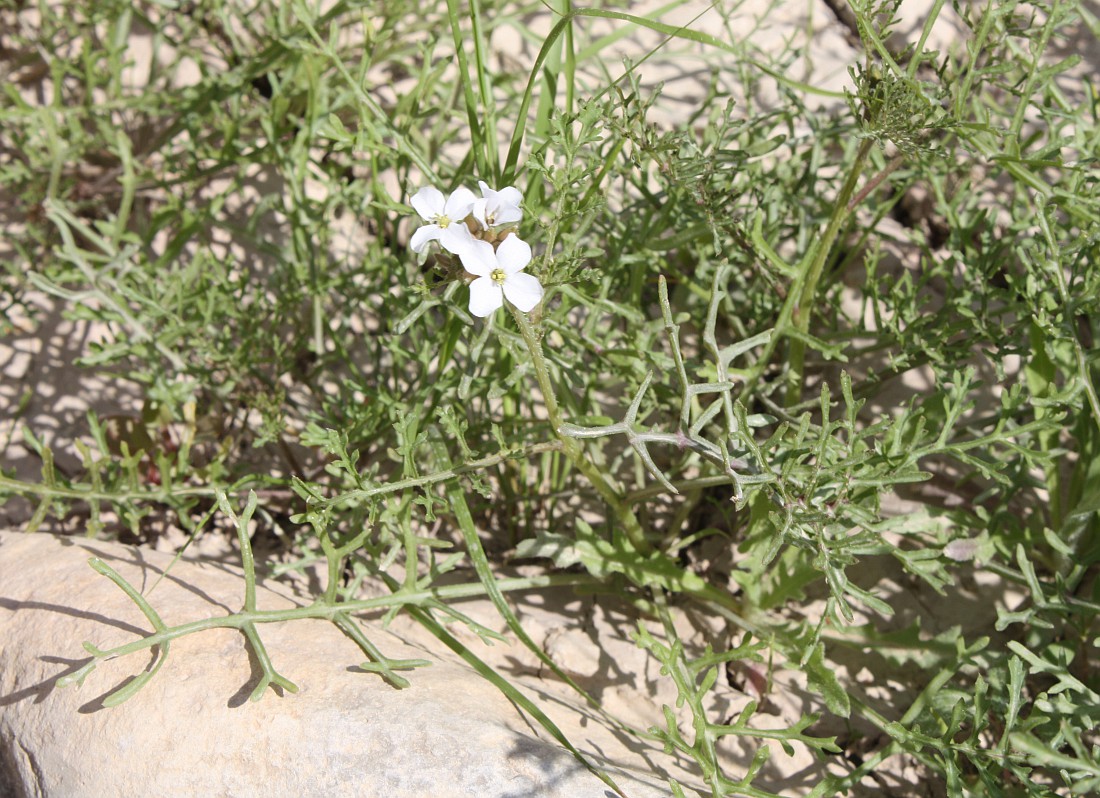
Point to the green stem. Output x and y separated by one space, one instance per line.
162 496
485 88
248 564
165 495
1058 276
478 132
441 476
569 57
703 746
245 619
805 290
333 563
802 290
571 447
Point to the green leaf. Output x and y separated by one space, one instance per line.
602 558
822 678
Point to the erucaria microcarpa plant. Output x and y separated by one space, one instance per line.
481 232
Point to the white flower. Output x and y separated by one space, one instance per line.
444 216
500 275
497 207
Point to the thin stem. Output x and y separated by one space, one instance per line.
7 484
802 312
443 476
166 495
444 593
571 447
876 181
703 745
1058 274
485 87
477 131
247 561
569 56
802 290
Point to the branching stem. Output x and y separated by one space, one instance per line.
248 619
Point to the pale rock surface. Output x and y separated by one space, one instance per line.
192 731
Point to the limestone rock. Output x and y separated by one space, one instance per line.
191 731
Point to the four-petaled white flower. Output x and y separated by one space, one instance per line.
444 216
497 207
499 268
500 275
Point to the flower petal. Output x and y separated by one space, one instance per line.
456 238
485 296
479 212
459 204
428 202
523 291
509 195
513 253
502 206
424 235
506 214
478 258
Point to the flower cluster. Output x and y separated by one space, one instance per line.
478 232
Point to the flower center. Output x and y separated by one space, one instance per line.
443 221
497 276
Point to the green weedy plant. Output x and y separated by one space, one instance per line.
730 277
